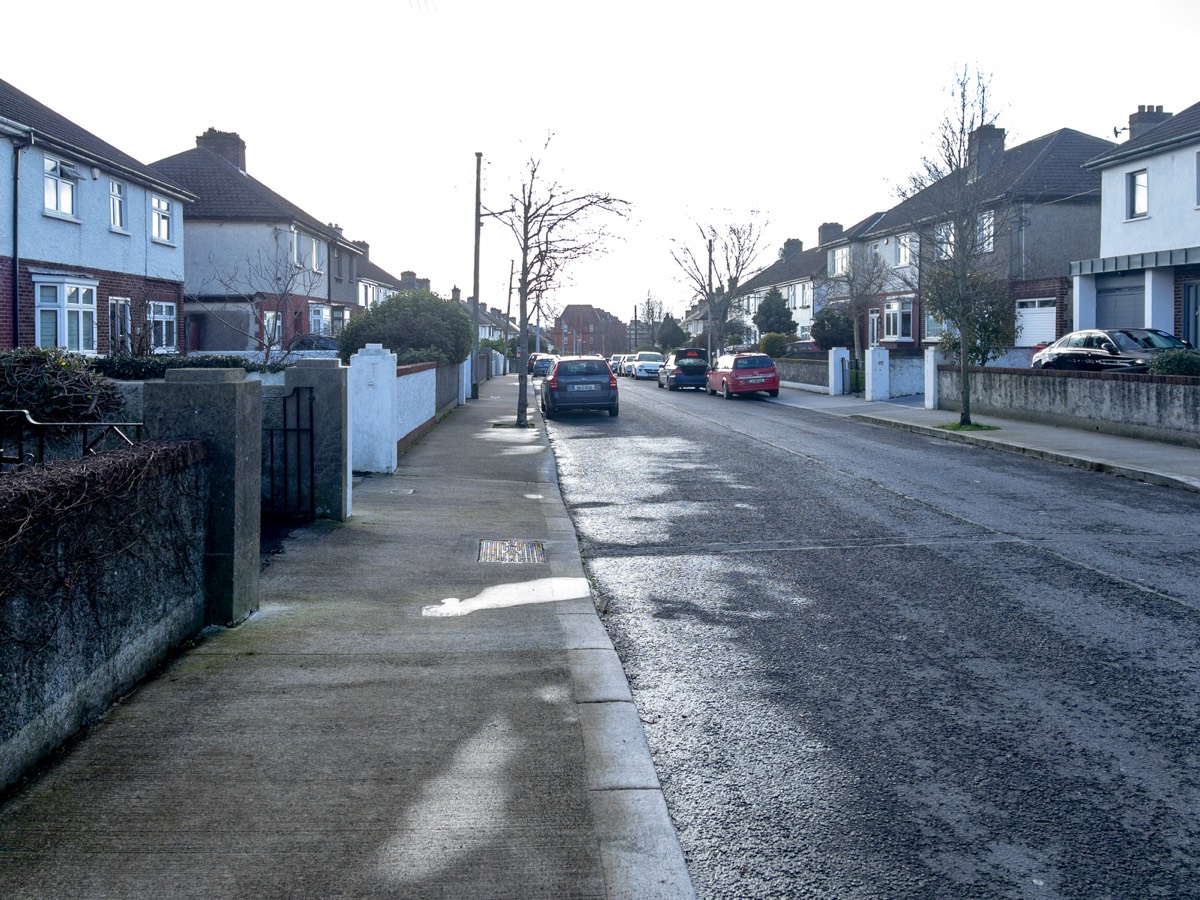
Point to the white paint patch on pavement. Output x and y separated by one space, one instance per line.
521 593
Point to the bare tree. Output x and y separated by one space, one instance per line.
262 297
553 226
652 314
729 255
854 282
963 275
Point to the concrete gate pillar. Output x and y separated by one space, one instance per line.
223 409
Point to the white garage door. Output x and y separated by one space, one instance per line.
1035 319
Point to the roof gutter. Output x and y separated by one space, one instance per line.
1118 156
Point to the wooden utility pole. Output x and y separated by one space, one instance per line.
475 282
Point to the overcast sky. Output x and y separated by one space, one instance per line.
369 114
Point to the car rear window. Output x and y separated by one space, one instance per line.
583 367
753 362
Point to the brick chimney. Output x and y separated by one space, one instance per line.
791 248
984 146
363 246
1145 118
455 294
226 144
830 231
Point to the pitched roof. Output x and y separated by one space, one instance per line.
226 193
48 128
1181 128
1047 168
371 272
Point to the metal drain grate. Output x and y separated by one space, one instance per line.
512 551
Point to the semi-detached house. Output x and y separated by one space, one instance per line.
259 269
1147 273
92 250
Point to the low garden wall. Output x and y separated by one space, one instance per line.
102 562
1156 407
810 373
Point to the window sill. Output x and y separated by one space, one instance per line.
62 217
121 231
1137 218
163 243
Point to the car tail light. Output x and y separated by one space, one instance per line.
677 371
612 381
552 380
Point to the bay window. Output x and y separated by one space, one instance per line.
66 313
897 320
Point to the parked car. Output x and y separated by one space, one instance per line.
645 364
614 362
1107 350
743 373
579 382
625 364
313 342
542 365
686 367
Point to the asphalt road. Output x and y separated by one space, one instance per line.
876 664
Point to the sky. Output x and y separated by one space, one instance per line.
785 113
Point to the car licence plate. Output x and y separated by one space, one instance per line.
583 387
756 380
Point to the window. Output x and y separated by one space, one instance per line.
897 320
119 321
1137 195
841 260
906 250
985 231
116 205
789 296
935 327
272 330
806 295
804 333
318 320
160 218
66 314
160 323
59 185
943 237
874 252
306 251
338 320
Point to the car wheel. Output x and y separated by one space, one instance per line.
672 387
725 390
614 410
774 393
708 389
658 382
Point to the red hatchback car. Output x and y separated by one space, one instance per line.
743 373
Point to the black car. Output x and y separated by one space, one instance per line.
1107 350
579 382
313 342
685 367
542 365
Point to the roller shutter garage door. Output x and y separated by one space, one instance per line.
1122 307
1035 319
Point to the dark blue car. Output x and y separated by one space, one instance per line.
579 382
686 367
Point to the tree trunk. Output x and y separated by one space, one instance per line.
964 417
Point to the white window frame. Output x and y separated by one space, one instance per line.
985 231
943 240
59 179
318 320
806 295
162 228
120 325
306 251
272 328
804 332
840 257
116 206
162 326
906 250
935 327
875 252
897 314
1137 194
66 313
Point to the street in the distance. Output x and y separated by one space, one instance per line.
871 663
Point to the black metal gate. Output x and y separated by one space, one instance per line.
854 375
289 450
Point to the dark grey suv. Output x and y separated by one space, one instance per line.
579 382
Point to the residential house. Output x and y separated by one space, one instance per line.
91 240
371 282
797 276
1039 208
1147 272
257 265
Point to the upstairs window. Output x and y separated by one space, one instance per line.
116 205
906 250
1137 195
841 261
307 251
59 185
985 231
943 238
160 218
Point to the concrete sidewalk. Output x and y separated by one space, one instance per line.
400 718
1143 460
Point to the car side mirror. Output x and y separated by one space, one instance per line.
1110 348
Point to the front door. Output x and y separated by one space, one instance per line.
1191 313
